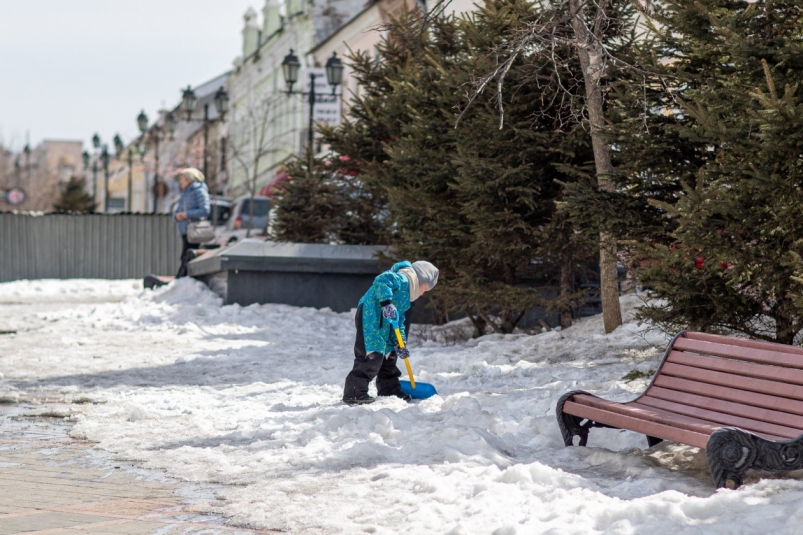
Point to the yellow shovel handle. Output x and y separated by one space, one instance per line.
399 338
410 373
406 361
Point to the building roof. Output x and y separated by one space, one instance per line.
368 5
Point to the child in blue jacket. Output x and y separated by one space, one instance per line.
375 352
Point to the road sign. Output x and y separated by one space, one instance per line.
13 196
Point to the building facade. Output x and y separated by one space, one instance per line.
362 33
39 172
268 126
143 176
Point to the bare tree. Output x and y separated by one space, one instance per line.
581 26
253 136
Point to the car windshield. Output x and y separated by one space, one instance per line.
261 207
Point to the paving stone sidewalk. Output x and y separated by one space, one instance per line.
51 484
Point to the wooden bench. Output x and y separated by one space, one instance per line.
741 400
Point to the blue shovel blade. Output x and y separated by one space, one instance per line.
421 390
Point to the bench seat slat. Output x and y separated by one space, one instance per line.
794 421
763 386
721 419
712 424
743 342
738 352
622 421
749 369
648 413
730 394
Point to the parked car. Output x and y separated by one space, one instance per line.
224 208
238 220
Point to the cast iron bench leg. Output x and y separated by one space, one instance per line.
730 452
569 425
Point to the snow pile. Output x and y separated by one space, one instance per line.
250 397
73 291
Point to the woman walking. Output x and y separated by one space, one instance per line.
193 205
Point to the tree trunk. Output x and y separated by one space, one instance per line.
566 288
785 330
591 60
479 325
252 191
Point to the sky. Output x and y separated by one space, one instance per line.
70 68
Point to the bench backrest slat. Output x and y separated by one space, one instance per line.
742 342
720 418
728 407
739 352
748 369
729 393
751 384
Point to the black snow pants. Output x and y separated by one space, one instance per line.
370 365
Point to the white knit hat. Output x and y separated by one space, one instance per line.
427 273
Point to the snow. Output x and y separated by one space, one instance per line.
249 397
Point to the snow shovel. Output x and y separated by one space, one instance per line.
411 388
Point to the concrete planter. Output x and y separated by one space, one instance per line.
298 274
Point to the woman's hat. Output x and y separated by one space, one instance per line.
192 174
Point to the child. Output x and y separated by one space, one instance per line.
375 353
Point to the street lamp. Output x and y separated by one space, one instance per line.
334 76
222 101
142 121
118 146
290 67
155 134
334 71
188 103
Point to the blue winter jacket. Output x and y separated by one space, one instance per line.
389 286
194 201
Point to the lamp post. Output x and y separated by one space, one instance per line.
155 134
104 157
131 151
96 146
27 151
86 157
334 76
188 103
119 147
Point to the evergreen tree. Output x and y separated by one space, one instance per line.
74 197
326 204
477 201
733 260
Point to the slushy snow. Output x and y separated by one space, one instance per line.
249 398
